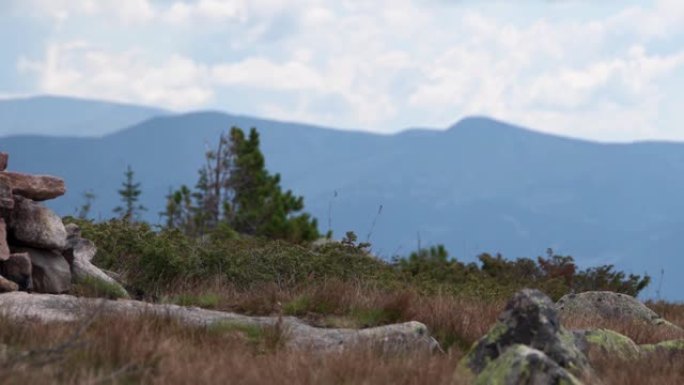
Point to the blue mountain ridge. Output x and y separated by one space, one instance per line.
479 186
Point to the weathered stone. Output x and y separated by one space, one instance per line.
298 335
6 285
35 187
18 269
606 341
599 306
520 364
4 157
4 247
6 199
37 226
50 272
531 319
79 253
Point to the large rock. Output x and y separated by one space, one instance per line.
608 342
49 270
6 198
79 253
521 364
4 247
35 187
18 269
3 161
530 319
36 226
605 305
298 335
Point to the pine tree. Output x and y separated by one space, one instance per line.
235 190
257 205
129 193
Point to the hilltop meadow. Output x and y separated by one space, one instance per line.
238 243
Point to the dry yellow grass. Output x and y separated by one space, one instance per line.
151 350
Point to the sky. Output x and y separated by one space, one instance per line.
609 70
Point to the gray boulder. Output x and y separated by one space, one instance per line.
530 319
521 364
36 226
18 269
49 270
605 305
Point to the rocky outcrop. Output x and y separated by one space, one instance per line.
45 259
529 320
606 305
398 338
3 161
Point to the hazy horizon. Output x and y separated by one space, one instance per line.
607 72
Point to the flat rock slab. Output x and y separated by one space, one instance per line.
35 187
406 337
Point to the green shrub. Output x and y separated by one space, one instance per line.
155 261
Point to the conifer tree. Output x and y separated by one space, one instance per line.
257 205
234 189
130 194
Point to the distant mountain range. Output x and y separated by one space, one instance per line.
479 186
62 116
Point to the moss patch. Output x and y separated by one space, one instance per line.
613 343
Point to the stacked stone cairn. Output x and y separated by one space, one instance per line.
38 253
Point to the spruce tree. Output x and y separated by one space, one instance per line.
129 193
257 205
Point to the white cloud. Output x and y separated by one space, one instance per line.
79 69
384 64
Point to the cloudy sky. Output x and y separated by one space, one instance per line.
610 70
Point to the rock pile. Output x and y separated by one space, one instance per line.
37 252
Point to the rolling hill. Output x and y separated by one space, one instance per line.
65 116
